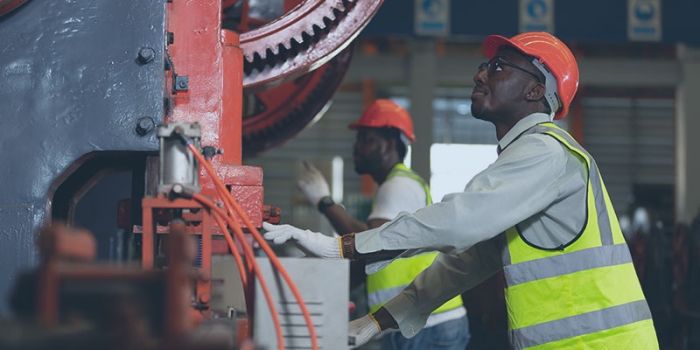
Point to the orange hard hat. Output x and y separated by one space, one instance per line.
553 55
386 113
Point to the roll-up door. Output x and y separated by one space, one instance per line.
632 140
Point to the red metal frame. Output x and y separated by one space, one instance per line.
199 222
213 61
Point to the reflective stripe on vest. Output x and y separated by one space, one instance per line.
391 280
585 294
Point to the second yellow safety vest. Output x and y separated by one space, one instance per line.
391 280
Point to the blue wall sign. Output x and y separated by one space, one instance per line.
432 17
644 20
536 16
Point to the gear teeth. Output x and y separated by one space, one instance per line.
335 12
284 43
274 50
317 30
298 38
305 38
328 22
249 56
311 30
282 129
322 25
269 55
263 54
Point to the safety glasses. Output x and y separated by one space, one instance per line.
496 63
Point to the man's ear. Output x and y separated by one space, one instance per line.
536 92
391 144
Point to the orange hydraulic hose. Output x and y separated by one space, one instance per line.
263 244
234 251
239 264
239 234
229 210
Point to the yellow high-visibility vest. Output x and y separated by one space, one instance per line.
391 280
584 295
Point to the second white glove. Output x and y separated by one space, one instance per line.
362 330
312 184
312 243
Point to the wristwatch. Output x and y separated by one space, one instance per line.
324 203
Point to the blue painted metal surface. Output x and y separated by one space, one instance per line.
71 84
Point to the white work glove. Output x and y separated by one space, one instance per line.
312 184
362 330
312 243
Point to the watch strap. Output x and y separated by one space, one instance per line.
347 246
325 203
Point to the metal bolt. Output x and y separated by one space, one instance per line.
181 83
146 55
145 125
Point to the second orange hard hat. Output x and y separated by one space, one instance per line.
386 113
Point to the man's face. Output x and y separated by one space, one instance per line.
502 85
368 151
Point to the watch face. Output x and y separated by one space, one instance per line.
325 202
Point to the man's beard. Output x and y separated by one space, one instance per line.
368 164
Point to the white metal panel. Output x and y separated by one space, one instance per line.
326 303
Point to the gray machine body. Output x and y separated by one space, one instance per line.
80 78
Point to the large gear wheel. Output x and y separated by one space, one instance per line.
8 5
302 40
274 116
278 107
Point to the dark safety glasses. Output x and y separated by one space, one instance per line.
496 63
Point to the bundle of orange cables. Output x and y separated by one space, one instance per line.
228 217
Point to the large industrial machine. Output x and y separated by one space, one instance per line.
174 92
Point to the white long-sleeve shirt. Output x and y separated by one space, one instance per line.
535 183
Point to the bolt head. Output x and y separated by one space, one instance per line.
146 55
145 125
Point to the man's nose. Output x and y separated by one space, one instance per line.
480 77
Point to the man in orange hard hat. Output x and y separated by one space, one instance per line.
540 212
384 132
